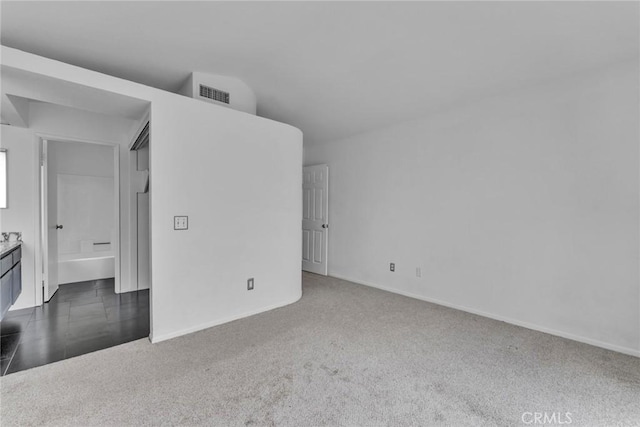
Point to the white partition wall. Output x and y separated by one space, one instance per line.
236 176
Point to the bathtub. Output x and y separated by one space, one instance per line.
86 266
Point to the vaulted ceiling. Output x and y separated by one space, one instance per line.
333 69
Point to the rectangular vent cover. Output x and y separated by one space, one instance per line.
215 94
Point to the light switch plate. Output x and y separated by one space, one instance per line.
180 222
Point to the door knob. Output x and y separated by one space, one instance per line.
325 225
58 227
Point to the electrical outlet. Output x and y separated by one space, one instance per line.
392 266
418 272
180 222
250 284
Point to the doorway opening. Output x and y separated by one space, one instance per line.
83 310
80 213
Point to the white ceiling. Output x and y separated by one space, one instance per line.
333 69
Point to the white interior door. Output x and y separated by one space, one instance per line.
315 218
50 226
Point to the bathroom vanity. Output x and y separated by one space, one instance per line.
10 255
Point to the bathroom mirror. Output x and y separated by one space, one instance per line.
3 178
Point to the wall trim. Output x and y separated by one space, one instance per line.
156 339
527 325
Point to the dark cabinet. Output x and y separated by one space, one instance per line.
6 290
11 281
16 282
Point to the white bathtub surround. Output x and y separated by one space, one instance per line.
85 195
82 267
85 208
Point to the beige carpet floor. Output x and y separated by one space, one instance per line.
344 355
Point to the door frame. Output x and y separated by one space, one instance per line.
41 255
133 200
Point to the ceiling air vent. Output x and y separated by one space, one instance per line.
215 94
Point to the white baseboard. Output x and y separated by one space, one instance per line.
156 339
585 340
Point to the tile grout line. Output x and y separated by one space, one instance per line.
106 316
13 353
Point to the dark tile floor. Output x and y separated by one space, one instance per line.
80 318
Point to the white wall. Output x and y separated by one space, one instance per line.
22 212
238 178
523 207
232 173
76 158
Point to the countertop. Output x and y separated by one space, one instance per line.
6 247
